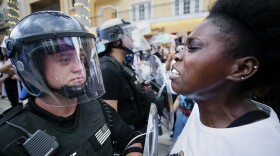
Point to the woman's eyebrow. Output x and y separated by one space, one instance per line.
193 39
190 39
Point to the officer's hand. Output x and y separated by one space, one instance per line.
10 72
15 77
138 145
5 67
135 154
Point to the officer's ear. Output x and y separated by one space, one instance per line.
243 68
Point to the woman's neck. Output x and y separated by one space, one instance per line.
220 111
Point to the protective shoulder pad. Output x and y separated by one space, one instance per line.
10 113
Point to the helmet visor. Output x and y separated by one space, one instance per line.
133 39
61 71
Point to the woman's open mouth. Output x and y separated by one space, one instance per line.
174 74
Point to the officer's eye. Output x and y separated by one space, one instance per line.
63 59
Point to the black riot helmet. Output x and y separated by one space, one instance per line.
52 53
120 29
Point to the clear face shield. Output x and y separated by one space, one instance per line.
133 39
62 71
158 79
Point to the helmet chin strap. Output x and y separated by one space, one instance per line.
123 48
71 92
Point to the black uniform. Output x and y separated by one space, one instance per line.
118 87
86 132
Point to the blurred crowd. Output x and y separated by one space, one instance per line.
10 87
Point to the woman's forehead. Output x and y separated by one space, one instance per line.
204 31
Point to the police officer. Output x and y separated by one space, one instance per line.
123 90
54 57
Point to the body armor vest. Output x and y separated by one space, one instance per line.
89 136
139 109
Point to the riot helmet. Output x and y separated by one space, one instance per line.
119 29
55 56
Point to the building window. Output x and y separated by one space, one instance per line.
72 3
2 19
182 7
141 11
196 5
186 8
134 13
114 14
177 3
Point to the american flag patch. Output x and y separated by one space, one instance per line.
102 134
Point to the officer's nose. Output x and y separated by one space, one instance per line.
77 64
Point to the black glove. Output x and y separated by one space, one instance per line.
149 96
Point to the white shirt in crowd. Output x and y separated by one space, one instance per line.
260 138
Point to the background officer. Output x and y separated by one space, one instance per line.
123 89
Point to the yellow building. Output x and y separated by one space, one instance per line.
170 16
3 19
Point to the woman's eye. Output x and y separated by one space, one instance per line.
192 48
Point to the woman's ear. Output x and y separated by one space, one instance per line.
244 68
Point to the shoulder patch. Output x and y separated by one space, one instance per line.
103 134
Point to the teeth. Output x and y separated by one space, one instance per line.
173 71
